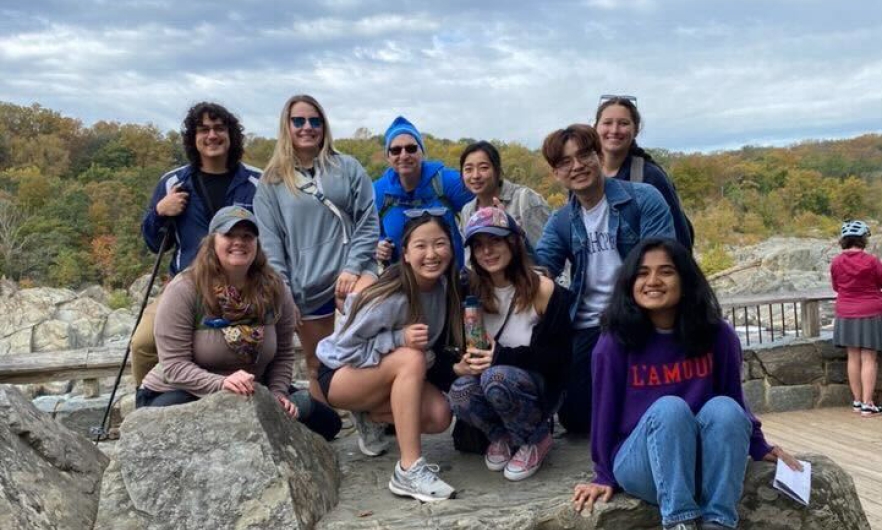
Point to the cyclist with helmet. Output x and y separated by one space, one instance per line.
857 280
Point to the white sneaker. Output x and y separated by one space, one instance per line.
371 438
421 482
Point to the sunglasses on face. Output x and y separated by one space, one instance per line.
614 98
299 122
416 213
410 148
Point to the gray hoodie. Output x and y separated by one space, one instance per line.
527 207
305 241
378 329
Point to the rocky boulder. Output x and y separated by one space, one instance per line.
222 462
49 477
485 500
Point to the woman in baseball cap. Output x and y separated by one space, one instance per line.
511 390
227 323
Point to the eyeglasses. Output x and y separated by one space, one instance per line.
218 129
614 98
566 165
416 213
316 122
410 148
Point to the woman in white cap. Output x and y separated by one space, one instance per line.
227 323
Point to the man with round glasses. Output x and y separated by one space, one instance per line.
186 198
602 221
413 183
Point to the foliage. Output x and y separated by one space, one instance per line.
72 197
119 299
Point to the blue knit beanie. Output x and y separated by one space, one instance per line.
401 126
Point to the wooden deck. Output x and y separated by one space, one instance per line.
855 443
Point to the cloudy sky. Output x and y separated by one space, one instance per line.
708 74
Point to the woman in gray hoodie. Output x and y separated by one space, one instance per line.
388 359
318 223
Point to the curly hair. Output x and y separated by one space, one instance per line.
215 112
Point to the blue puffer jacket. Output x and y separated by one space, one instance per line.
192 224
636 211
392 200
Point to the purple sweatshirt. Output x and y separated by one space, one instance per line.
626 384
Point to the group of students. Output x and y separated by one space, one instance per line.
635 351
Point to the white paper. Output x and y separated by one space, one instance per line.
795 484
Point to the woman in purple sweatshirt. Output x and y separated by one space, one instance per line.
668 403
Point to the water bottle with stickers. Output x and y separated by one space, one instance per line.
473 322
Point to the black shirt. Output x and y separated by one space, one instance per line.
213 190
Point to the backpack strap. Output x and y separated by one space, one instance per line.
637 163
437 183
310 188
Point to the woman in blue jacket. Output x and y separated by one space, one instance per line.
411 182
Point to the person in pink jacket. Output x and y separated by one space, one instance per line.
857 280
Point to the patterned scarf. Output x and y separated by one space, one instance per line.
244 330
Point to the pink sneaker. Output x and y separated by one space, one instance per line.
528 459
498 455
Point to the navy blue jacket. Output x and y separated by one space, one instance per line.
192 224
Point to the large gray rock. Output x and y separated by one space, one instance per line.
487 501
222 462
49 477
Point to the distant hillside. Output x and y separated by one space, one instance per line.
72 197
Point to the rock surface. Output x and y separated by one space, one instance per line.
222 462
487 501
49 477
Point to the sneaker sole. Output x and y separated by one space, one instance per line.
368 452
401 492
520 475
495 467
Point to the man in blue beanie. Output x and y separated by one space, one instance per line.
413 183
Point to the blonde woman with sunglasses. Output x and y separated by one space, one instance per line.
318 225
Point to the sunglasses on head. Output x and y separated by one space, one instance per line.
410 148
612 97
416 213
299 122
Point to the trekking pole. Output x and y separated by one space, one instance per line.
100 431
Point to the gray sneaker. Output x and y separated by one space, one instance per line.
371 438
421 482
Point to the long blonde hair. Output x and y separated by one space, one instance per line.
284 165
263 287
399 278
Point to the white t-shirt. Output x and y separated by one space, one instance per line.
601 268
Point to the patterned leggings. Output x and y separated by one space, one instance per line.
502 401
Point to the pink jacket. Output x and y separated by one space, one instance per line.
857 280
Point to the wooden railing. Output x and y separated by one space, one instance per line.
90 364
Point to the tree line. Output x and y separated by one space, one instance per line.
72 197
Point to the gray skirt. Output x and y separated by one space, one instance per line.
858 332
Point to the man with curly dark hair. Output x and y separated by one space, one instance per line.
186 198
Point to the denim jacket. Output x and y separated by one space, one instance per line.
636 211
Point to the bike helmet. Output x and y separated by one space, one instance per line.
855 228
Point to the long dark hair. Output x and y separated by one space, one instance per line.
399 278
634 149
519 272
698 312
215 112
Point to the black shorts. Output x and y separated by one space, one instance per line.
325 374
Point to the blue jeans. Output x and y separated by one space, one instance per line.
671 447
502 401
